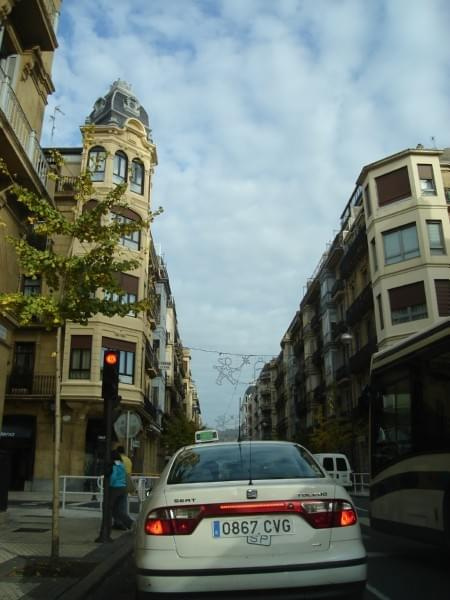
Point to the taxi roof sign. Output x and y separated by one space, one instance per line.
206 435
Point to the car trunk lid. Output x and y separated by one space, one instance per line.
251 519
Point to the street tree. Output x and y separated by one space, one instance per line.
178 431
79 284
330 435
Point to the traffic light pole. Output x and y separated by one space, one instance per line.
110 390
105 530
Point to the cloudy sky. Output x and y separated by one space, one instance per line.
263 113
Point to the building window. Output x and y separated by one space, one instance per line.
24 353
443 296
426 179
408 303
130 286
80 357
96 163
393 186
400 244
374 254
120 167
31 286
131 240
127 353
137 177
367 200
436 237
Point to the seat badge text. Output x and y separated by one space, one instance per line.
182 500
312 494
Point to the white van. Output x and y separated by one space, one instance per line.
337 466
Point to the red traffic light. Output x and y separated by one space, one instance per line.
111 358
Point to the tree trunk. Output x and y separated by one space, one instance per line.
56 450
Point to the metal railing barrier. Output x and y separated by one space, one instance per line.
84 488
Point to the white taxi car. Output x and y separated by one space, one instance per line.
253 517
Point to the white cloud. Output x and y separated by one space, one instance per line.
263 114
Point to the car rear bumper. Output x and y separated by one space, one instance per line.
317 592
325 578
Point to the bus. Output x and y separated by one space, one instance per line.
410 437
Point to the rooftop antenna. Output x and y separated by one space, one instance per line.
433 141
53 119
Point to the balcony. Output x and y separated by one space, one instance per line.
339 328
38 241
281 402
355 249
362 304
338 288
36 22
279 379
319 392
315 323
317 358
17 128
28 384
342 374
361 359
150 409
66 186
282 426
151 361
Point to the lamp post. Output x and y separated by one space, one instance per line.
346 339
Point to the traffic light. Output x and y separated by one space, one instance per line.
110 378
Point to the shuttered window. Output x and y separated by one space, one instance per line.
393 186
426 179
408 303
443 296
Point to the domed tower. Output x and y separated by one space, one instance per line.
119 142
117 106
118 148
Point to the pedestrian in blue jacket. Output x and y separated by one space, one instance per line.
118 493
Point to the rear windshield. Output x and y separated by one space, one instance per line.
242 462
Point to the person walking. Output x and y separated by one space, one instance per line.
125 459
118 493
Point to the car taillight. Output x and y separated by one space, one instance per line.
322 514
182 520
173 521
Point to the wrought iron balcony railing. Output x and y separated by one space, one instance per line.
19 123
28 384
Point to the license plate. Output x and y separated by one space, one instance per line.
252 528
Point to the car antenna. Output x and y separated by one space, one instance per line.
250 482
239 422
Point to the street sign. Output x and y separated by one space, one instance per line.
128 425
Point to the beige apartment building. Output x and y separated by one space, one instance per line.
384 277
117 147
27 43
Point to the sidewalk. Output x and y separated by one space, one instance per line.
25 536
